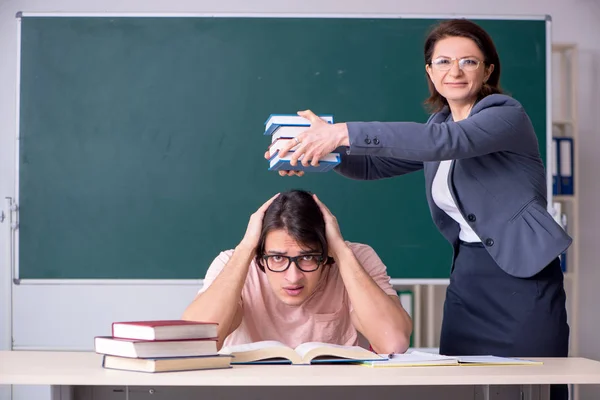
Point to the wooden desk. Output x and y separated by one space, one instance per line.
84 369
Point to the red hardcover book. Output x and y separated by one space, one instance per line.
164 330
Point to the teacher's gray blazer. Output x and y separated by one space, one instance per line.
497 178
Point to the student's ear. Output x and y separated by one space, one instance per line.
259 263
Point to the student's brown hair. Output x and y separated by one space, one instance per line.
296 212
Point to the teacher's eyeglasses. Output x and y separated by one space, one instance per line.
304 262
468 64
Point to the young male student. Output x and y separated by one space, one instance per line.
294 279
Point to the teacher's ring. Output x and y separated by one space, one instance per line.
297 140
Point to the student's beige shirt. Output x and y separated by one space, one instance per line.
323 317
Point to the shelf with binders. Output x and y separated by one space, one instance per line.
564 199
564 162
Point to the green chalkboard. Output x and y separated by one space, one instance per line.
141 145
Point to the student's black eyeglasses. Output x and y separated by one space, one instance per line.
304 262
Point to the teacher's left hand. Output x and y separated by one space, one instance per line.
317 141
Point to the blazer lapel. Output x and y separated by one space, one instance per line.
431 168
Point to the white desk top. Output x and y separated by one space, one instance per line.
84 368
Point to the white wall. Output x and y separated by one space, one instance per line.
34 306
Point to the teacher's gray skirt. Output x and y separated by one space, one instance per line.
489 312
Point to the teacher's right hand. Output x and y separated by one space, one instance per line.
285 173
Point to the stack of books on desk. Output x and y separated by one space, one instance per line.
161 346
285 127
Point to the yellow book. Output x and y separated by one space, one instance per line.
273 352
412 359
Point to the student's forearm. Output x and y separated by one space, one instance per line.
383 322
220 302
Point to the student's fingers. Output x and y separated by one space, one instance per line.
322 206
267 155
266 204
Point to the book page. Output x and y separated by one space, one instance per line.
241 348
308 346
311 350
268 350
426 355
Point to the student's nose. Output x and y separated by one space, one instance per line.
293 274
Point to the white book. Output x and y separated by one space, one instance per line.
277 120
287 132
279 144
133 348
494 360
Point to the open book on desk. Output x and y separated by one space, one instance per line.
418 358
273 352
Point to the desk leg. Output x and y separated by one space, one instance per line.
482 392
62 392
535 392
510 392
417 320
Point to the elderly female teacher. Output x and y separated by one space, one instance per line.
486 189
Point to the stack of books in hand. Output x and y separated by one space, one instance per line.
285 127
161 346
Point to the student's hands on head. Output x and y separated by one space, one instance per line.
332 228
320 139
254 228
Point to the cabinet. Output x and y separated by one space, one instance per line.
566 206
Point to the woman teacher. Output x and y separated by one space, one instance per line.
486 189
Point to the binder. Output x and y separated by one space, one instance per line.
554 161
565 166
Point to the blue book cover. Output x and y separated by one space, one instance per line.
325 164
